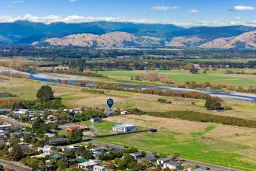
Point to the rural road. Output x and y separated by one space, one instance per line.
14 166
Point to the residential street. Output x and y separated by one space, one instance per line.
14 166
11 121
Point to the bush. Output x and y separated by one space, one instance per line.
212 104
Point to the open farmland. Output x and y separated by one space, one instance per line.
73 97
181 76
212 143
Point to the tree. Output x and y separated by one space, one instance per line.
76 136
45 93
143 154
16 153
212 103
194 70
62 164
37 124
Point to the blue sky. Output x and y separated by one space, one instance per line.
181 12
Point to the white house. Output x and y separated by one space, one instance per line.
124 128
99 168
48 149
88 165
163 160
173 165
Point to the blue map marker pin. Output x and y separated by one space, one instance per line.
110 103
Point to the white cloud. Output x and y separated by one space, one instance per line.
163 8
237 18
243 8
11 6
73 0
82 19
193 11
17 1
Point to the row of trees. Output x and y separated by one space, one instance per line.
200 117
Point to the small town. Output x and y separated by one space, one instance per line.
56 140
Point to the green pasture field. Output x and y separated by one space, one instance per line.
181 76
190 145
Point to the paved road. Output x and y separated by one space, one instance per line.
14 166
186 161
11 121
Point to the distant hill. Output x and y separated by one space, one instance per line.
245 41
113 39
25 32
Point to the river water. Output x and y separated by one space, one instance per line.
221 94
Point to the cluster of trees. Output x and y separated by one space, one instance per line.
40 127
93 91
76 72
201 117
153 77
196 95
194 85
65 117
164 101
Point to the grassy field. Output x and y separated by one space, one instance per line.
207 142
181 76
197 141
74 98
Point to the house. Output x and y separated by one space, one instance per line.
2 133
99 168
96 119
89 164
49 135
73 128
149 158
4 127
124 128
58 141
124 113
2 112
48 149
100 150
109 112
136 155
117 150
162 161
80 160
56 156
172 165
25 148
22 134
21 112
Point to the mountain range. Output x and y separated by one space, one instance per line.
121 34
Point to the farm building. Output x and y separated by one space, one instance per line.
124 128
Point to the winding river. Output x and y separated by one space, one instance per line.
221 94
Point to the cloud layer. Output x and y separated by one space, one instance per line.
81 19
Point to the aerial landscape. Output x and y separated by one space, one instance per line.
131 85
